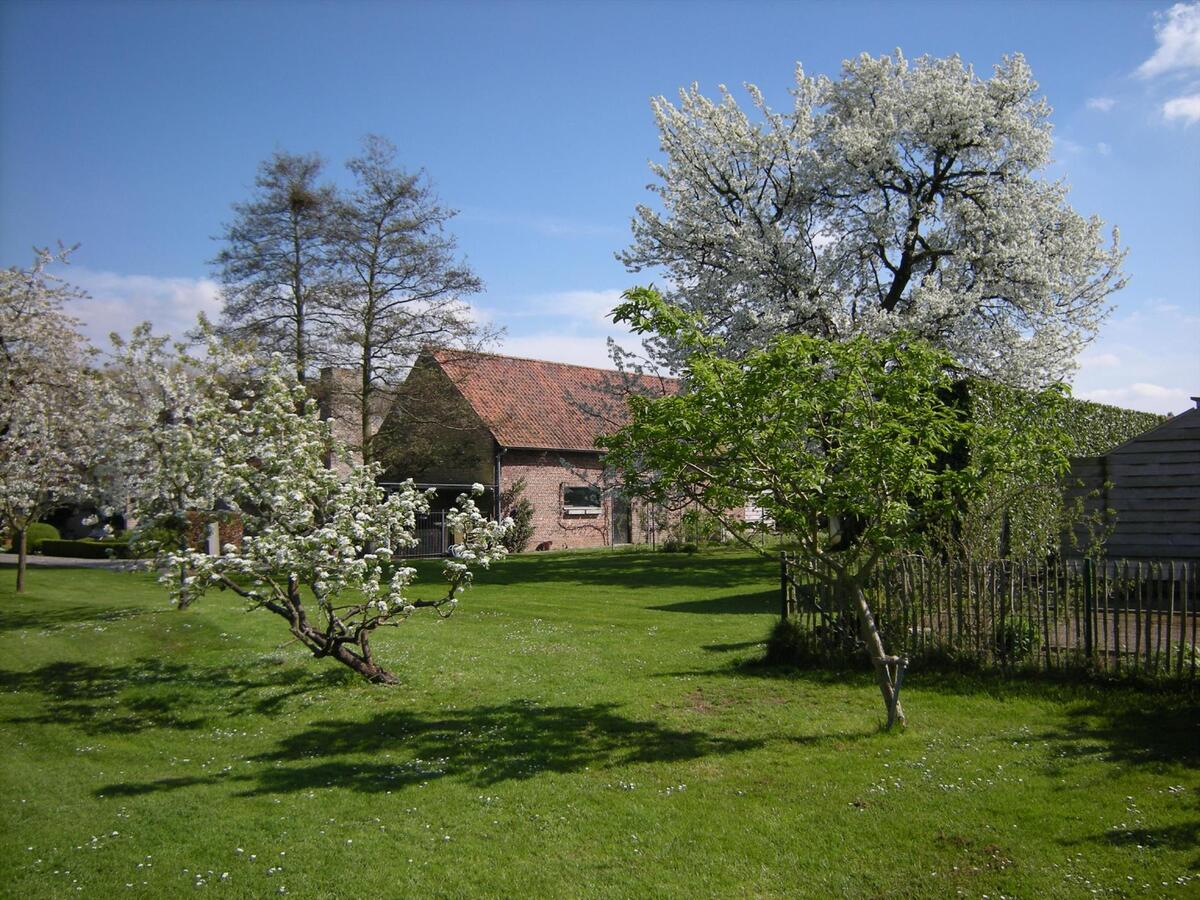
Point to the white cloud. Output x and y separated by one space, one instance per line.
580 350
1101 104
593 306
119 302
1178 35
1066 146
1103 149
1099 361
1186 109
1144 358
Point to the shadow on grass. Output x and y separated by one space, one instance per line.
1150 729
642 569
1129 725
481 746
150 693
737 645
40 618
760 602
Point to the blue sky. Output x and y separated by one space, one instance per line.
130 127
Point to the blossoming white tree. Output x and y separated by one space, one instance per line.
323 552
47 399
903 196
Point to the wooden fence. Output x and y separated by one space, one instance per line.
1110 615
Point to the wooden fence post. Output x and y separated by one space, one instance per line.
1088 605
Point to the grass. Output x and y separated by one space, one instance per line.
585 724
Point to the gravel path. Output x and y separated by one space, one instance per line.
67 562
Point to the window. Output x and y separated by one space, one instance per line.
581 500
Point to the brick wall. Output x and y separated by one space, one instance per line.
229 527
546 473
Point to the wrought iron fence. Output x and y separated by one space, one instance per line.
433 538
1107 615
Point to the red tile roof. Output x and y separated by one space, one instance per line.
546 405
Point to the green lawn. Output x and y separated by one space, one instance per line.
581 726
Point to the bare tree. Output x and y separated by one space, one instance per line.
399 282
274 266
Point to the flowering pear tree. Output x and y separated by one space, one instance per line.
901 197
841 443
322 551
148 385
48 399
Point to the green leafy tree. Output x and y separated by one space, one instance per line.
844 444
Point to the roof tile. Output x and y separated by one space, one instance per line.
546 405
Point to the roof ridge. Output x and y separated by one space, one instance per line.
551 362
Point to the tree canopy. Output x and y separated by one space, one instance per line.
842 443
904 196
247 441
359 278
48 398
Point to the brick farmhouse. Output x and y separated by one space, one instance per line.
463 418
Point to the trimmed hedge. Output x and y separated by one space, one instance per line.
35 535
87 549
1037 512
1093 428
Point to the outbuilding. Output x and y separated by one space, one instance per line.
463 418
1142 498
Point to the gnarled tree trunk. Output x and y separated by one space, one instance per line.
323 643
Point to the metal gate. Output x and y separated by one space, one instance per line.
433 539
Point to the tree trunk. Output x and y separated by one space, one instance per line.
369 670
22 554
364 403
888 669
321 645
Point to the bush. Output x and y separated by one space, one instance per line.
146 542
35 535
107 549
673 546
697 527
791 644
1015 640
515 504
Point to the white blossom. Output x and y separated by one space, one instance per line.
901 196
48 396
304 524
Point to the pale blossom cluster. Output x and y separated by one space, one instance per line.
48 395
901 196
248 446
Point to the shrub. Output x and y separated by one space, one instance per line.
671 545
107 549
514 504
791 644
145 542
697 527
35 535
1015 640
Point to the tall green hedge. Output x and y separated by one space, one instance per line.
1034 509
87 549
35 534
